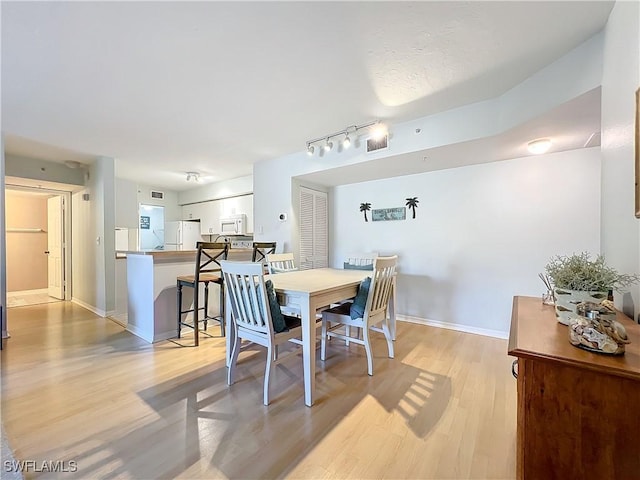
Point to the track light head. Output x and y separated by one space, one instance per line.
378 131
311 150
328 146
346 143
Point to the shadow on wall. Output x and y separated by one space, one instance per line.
424 297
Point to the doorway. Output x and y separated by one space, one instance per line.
36 242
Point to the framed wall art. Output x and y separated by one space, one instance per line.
385 214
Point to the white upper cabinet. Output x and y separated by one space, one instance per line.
191 211
209 213
238 205
210 220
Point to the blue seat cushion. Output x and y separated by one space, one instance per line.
351 266
360 302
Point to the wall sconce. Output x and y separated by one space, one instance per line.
195 176
315 144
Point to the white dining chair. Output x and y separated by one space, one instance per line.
280 262
256 316
368 309
360 261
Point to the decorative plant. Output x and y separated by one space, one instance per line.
364 207
579 272
412 203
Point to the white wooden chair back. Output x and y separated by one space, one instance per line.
375 312
245 287
380 290
280 262
360 259
251 317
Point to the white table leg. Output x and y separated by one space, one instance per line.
309 351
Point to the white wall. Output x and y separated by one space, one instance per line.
621 78
215 191
126 203
570 76
24 167
172 210
481 234
3 248
93 240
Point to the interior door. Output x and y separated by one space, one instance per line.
314 250
55 245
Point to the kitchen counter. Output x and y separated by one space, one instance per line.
160 254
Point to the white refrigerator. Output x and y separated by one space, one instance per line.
181 235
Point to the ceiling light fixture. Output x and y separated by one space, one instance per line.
195 176
349 132
73 164
539 146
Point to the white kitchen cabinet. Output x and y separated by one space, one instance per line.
238 205
191 211
209 213
210 217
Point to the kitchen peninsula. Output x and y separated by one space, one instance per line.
151 291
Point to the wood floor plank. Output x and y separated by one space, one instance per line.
78 387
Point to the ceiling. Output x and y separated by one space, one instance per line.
213 87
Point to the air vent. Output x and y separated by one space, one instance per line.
157 195
593 140
374 144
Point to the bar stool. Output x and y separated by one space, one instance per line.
260 252
207 271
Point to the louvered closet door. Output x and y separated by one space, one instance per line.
314 250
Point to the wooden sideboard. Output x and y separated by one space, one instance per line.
578 411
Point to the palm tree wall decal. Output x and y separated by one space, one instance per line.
363 208
412 203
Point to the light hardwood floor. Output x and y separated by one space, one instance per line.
78 387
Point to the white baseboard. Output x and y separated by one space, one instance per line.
91 308
138 333
452 326
121 319
158 337
19 293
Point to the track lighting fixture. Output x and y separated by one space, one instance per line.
350 132
195 176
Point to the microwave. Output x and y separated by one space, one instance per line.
234 225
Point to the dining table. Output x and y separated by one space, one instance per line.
309 291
